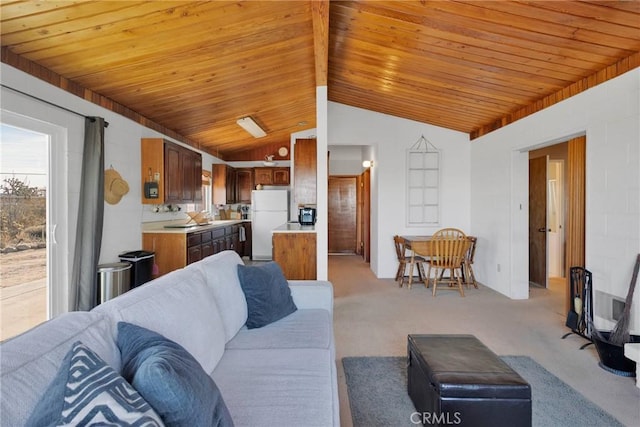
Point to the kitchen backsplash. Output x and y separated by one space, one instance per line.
168 212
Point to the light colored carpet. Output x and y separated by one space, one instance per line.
378 393
373 318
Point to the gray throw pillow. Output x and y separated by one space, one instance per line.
170 379
267 293
87 391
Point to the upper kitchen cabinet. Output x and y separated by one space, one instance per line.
281 176
244 185
263 176
305 172
170 173
271 176
223 191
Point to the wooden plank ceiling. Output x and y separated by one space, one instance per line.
196 67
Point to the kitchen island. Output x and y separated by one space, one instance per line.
177 244
294 249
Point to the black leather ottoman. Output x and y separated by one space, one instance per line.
457 380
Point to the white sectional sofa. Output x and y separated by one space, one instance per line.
282 374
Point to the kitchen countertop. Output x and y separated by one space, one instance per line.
294 227
159 227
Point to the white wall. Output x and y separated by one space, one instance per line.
389 137
346 160
609 115
122 222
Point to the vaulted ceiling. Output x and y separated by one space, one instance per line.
194 68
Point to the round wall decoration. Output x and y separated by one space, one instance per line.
283 151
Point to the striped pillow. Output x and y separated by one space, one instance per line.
87 391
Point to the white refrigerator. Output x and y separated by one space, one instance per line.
269 210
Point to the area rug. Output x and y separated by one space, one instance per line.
377 388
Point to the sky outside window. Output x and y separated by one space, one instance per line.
23 155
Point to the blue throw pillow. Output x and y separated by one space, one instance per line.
87 391
267 293
170 379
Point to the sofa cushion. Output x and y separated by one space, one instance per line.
179 306
87 391
278 387
221 274
301 329
170 379
312 294
31 360
267 293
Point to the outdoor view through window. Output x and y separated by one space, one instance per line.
23 222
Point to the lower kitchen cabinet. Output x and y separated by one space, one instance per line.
296 255
176 250
248 242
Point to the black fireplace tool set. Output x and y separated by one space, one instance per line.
609 345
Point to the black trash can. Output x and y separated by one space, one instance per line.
141 266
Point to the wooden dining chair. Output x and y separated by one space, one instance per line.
419 256
469 277
448 247
405 261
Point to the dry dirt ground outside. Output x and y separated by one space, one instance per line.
23 292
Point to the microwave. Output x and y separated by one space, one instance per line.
307 216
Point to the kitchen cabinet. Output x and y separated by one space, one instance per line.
296 254
231 185
305 172
281 176
191 176
172 173
176 250
176 170
223 190
244 185
232 239
247 244
263 176
271 176
199 245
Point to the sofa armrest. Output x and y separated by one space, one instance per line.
312 294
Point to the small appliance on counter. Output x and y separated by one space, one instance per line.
307 215
245 211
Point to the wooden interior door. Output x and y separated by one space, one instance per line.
366 215
538 221
576 190
359 219
342 214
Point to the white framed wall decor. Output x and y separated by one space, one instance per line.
423 184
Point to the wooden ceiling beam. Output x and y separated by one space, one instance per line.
320 14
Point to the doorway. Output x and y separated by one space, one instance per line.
349 201
342 214
556 212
